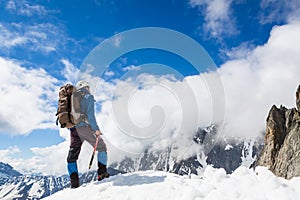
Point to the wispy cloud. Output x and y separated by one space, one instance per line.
70 71
10 39
33 31
25 8
42 32
100 3
218 19
279 11
39 37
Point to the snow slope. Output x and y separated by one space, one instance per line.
214 184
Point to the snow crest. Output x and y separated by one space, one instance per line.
244 184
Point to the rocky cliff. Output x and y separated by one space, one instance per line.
281 151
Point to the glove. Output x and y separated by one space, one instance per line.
98 133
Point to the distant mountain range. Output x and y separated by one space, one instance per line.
224 154
14 185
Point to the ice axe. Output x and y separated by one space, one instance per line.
95 147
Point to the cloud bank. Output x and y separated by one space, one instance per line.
266 75
27 97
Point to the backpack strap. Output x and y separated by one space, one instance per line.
69 108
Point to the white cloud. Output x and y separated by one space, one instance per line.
109 73
268 75
148 110
24 8
42 34
117 41
70 71
279 11
49 160
217 15
131 67
10 39
239 52
99 88
27 97
39 37
45 160
8 152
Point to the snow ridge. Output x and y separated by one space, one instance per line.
243 183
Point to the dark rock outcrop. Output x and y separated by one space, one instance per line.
281 151
298 98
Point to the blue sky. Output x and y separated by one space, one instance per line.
82 25
42 40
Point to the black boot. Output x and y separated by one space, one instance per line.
102 172
74 180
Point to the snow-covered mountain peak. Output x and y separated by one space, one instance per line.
7 171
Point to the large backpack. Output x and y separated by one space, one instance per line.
68 111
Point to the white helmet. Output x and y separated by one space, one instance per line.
82 84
